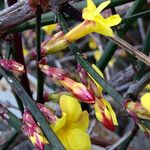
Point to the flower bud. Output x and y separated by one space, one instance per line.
47 112
33 131
12 66
77 89
136 109
105 114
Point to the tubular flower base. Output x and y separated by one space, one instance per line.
77 89
12 66
31 128
71 127
105 114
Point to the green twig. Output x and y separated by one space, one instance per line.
40 77
146 50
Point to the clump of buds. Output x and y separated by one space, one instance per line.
31 129
77 89
12 66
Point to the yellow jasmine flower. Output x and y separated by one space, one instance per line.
93 22
145 101
71 127
102 25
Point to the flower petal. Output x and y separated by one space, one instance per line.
100 73
59 123
113 20
103 28
71 107
91 6
145 101
111 111
83 122
79 140
62 136
100 8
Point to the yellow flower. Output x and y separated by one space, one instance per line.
93 22
49 28
145 101
71 127
102 25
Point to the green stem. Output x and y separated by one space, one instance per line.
111 47
146 50
28 102
40 77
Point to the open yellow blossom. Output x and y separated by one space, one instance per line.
102 25
145 101
71 127
93 22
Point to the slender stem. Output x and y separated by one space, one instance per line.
129 48
111 46
146 50
17 52
40 77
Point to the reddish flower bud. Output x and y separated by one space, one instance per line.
33 131
77 89
135 109
105 114
12 66
47 112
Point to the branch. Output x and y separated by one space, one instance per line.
17 14
130 49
